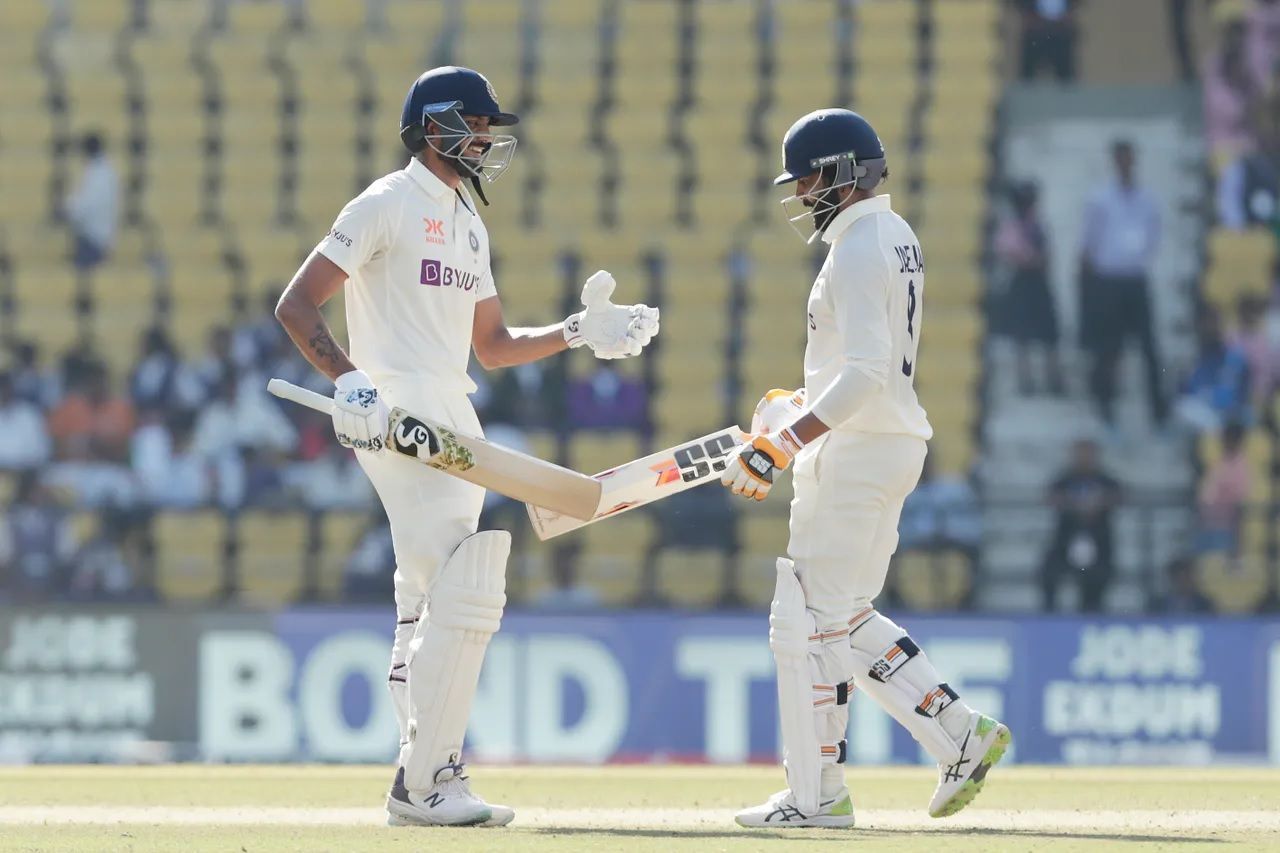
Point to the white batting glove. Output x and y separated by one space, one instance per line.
360 418
611 331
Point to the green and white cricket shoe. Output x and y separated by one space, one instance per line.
983 747
449 802
780 811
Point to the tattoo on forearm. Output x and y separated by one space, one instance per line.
324 346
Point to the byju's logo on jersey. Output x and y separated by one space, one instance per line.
436 274
434 230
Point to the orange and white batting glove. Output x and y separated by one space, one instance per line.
750 473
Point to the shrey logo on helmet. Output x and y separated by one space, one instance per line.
844 149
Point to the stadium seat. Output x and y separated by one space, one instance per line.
272 549
612 555
928 580
190 550
592 452
340 532
1233 585
688 578
764 539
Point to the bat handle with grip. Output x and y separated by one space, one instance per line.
301 396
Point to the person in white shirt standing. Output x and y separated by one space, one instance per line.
1121 239
856 434
93 208
420 297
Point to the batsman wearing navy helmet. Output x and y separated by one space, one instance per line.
413 256
855 437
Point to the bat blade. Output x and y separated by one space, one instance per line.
643 481
500 469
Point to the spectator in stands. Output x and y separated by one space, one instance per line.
1223 494
242 416
170 473
93 208
91 416
105 567
1262 37
30 381
86 481
1048 38
369 570
1032 319
332 481
1121 238
941 514
1183 595
607 400
1251 338
1217 391
1083 497
157 379
1229 88
36 544
216 361
26 443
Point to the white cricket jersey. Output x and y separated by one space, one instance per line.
416 257
865 311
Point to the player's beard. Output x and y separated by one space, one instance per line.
825 208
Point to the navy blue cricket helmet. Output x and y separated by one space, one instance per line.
444 96
844 148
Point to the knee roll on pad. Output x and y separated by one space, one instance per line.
893 670
464 609
814 665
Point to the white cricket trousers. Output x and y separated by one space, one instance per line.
849 491
430 513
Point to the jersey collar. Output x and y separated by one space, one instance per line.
423 177
854 212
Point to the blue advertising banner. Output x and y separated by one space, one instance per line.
664 685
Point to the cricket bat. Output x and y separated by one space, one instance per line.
557 490
643 481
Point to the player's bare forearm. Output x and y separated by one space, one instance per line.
299 313
496 345
521 346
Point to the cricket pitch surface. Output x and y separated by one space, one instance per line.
669 808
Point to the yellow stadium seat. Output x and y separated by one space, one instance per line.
691 578
339 533
100 15
343 17
932 580
190 550
272 551
178 17
764 537
612 556
593 452
23 21
1234 585
415 19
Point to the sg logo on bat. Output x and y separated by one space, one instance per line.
699 460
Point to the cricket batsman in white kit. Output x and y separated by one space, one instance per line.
856 435
414 256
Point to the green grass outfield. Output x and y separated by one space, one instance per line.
190 808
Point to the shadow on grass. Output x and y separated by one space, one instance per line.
842 836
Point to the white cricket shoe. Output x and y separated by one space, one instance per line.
983 747
780 810
448 802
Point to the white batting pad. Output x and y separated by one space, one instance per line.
892 670
813 667
464 609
